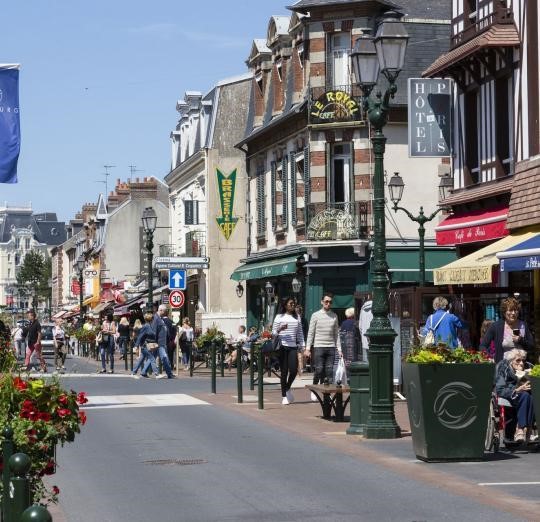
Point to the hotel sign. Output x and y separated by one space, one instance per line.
334 106
430 105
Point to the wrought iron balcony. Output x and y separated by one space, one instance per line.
196 243
337 221
167 251
500 16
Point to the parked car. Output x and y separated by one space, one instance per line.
47 340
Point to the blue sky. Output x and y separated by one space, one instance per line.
99 83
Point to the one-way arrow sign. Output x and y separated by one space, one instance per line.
177 279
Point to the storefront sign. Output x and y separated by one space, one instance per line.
517 264
226 186
332 223
472 234
430 103
334 106
463 276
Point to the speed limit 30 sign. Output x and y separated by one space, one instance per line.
176 299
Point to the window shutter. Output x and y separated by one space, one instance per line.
273 194
307 183
293 165
261 223
188 209
285 185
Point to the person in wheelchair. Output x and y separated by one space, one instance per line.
511 383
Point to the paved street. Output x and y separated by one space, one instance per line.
206 458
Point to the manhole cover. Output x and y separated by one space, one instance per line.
177 462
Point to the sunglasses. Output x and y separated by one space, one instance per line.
326 301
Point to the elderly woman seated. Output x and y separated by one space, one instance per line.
511 383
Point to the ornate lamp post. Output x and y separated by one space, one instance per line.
149 221
395 187
81 262
386 51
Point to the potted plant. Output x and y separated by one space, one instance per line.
448 395
534 377
212 335
41 414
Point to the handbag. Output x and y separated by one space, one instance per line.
276 343
429 339
340 375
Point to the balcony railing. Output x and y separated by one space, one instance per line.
501 15
337 104
337 221
196 244
167 251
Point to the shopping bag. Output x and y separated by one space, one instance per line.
340 375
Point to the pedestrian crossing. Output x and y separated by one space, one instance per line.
96 402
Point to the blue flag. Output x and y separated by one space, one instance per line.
10 128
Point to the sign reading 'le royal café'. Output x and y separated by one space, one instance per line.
429 117
334 106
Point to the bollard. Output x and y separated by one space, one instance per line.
19 488
222 358
7 451
260 383
359 402
213 363
252 367
36 513
239 373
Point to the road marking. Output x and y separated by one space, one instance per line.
141 401
509 483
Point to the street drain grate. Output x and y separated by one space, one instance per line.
177 462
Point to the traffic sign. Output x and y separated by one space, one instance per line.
177 279
176 299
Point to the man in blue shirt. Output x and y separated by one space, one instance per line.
160 328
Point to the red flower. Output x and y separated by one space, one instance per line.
56 490
82 417
63 399
27 405
20 384
81 398
49 468
44 416
63 412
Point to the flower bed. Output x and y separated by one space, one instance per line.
41 414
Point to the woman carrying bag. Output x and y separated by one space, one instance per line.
289 339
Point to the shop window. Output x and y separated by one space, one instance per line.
340 186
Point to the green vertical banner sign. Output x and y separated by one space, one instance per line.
226 186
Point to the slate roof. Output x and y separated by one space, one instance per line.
45 227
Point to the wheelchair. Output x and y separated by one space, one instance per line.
501 427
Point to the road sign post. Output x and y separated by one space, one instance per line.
177 299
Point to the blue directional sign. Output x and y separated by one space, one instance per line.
177 279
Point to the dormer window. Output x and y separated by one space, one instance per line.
259 81
279 68
300 51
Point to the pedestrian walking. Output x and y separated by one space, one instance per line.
443 324
350 339
60 347
146 342
19 342
171 337
106 342
33 341
161 334
123 337
323 338
186 342
305 327
288 326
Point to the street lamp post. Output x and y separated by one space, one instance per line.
384 52
395 187
149 221
81 262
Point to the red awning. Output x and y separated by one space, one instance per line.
472 227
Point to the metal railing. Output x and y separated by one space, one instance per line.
502 15
337 221
196 243
167 250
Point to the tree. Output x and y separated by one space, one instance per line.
34 275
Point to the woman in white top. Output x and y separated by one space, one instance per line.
60 348
288 326
186 340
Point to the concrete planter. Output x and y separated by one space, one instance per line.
448 408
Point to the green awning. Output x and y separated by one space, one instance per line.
403 264
265 269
